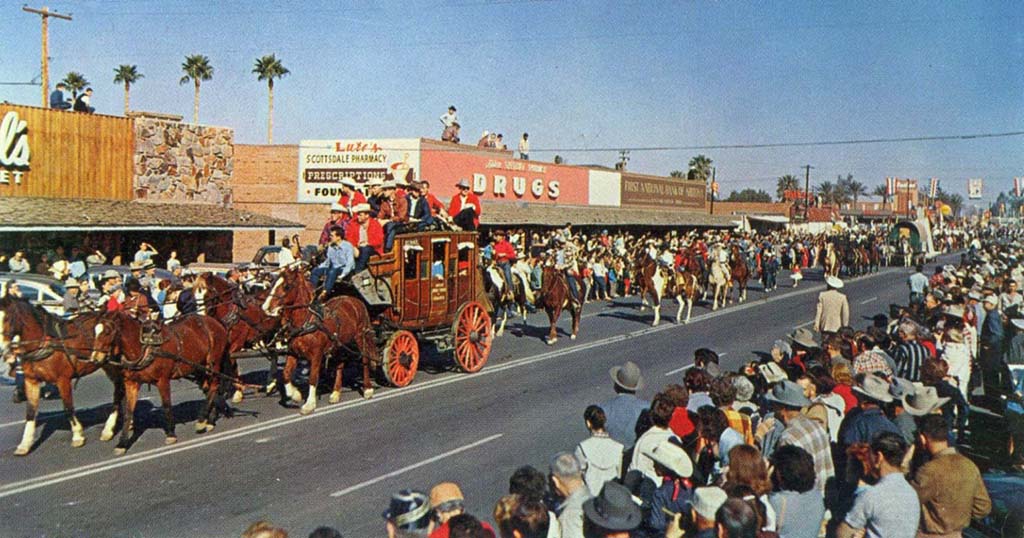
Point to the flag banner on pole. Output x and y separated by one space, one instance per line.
890 186
974 188
1016 186
933 189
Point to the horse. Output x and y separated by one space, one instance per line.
739 273
192 346
242 316
502 298
554 295
55 351
316 332
684 287
651 283
718 277
831 260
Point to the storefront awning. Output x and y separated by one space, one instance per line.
64 214
509 214
778 219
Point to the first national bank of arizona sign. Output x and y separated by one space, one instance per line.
14 149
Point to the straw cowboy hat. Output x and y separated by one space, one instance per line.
147 264
789 394
875 388
375 182
613 509
923 401
627 376
361 208
672 457
804 337
834 282
444 493
335 206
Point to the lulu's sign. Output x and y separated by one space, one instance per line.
324 163
14 149
650 191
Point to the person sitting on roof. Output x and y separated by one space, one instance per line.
366 235
338 263
465 207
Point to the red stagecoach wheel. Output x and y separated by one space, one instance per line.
473 335
401 358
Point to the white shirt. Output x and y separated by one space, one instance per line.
524 146
449 118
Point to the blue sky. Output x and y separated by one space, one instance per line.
579 75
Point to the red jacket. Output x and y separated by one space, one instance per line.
374 234
504 251
434 204
351 201
455 206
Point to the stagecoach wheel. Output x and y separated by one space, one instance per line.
473 335
401 358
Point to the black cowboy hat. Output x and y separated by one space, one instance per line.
613 509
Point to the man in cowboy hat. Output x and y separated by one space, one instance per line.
833 308
622 411
504 257
366 235
110 291
787 401
408 514
612 514
374 193
465 208
350 195
706 502
949 486
862 425
567 479
338 219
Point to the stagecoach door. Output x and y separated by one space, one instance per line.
439 270
415 280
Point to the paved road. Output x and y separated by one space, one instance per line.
338 466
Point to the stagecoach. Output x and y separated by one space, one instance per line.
428 288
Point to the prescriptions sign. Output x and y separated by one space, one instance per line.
323 164
502 178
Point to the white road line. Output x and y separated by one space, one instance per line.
687 367
30 484
408 468
869 300
50 416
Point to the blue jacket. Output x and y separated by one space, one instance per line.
622 411
421 211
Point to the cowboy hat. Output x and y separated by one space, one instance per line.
772 372
627 376
401 182
672 457
335 206
613 509
111 274
900 388
135 266
388 184
834 282
874 388
707 501
147 264
789 394
349 181
445 492
409 509
71 283
923 401
804 337
375 182
462 184
361 208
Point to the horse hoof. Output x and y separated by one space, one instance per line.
238 396
77 443
269 389
119 451
22 450
551 341
170 440
335 397
203 427
367 394
306 410
106 436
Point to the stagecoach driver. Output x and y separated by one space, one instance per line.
339 262
366 235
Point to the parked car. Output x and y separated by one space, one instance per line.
38 289
266 259
95 273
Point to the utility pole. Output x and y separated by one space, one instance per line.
714 187
807 190
45 15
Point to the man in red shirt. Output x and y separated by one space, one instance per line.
465 207
339 217
366 235
504 255
436 207
349 195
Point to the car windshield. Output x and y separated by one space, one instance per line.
58 289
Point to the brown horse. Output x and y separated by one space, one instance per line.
192 346
55 351
316 332
684 287
739 273
555 296
243 317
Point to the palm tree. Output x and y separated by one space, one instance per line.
880 190
677 173
75 82
827 191
785 183
700 166
197 68
127 75
268 68
856 189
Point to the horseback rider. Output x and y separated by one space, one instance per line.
504 255
565 261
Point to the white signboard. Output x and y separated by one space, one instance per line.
14 149
323 164
974 187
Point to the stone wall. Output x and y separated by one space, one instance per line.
182 162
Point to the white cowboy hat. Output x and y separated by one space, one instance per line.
672 457
361 208
923 401
874 388
349 181
338 207
834 282
463 183
375 182
789 394
388 184
71 283
135 266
